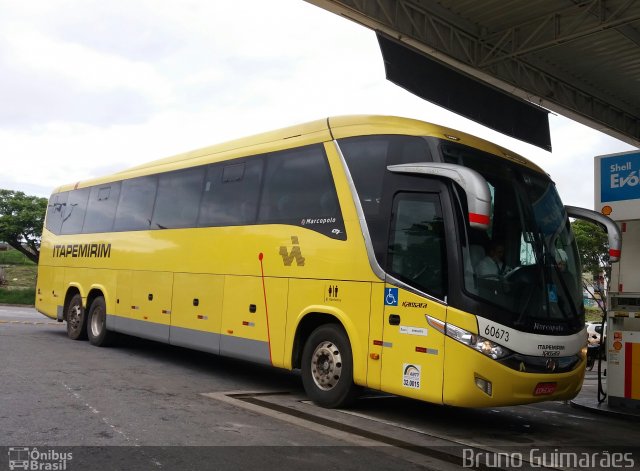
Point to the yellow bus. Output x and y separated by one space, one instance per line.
366 251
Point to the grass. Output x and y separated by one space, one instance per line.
20 278
18 296
13 257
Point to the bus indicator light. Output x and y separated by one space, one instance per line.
544 389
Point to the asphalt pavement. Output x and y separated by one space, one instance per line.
144 405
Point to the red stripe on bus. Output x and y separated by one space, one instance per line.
479 218
266 307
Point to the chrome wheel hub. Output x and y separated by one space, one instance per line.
97 321
74 318
326 365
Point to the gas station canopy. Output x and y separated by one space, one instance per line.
578 58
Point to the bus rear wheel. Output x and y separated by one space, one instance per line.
97 324
327 367
76 319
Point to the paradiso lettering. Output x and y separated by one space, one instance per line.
82 250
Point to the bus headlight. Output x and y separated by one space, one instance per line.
482 345
491 349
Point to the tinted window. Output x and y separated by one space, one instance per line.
178 199
368 157
416 243
136 204
230 195
55 211
298 189
73 217
101 209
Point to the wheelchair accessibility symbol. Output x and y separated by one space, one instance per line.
391 296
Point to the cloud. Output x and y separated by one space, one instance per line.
91 87
131 30
47 81
30 101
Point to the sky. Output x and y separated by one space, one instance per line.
91 87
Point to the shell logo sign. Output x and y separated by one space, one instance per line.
617 181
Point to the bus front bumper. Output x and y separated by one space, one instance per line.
472 379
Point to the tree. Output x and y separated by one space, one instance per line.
21 220
593 244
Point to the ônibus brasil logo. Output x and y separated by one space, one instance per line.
33 459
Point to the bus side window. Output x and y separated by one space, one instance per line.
73 215
178 199
101 209
55 211
137 197
230 193
417 252
298 185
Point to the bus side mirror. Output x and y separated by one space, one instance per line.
474 185
615 239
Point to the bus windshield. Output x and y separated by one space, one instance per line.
526 262
523 271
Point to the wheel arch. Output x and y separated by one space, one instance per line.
95 292
315 316
307 324
72 290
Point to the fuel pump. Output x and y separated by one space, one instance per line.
617 195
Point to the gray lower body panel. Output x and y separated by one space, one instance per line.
245 349
142 329
195 339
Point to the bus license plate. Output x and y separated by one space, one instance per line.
544 389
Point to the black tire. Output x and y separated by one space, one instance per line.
327 367
97 324
76 319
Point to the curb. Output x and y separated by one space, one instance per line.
603 409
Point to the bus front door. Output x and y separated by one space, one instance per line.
413 352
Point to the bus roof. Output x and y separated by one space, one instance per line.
305 134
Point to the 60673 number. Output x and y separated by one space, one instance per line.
496 333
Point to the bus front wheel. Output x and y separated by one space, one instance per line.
76 319
327 367
97 324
